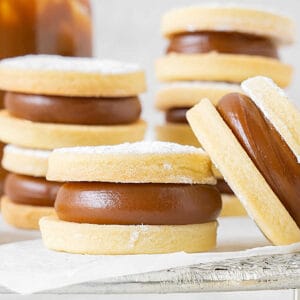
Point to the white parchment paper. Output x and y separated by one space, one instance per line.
27 267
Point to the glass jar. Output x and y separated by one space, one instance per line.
45 27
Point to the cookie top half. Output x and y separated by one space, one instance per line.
142 162
71 76
277 27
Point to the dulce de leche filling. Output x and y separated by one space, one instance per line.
266 148
30 190
132 204
222 42
223 187
177 115
73 110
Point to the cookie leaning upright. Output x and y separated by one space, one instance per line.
254 142
225 43
53 101
146 197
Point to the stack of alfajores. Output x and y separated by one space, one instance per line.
211 50
52 102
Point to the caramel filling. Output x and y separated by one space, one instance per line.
266 148
222 42
223 187
30 190
3 172
73 110
177 115
149 204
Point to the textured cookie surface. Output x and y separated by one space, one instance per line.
276 106
24 216
29 134
70 76
126 239
187 94
221 67
241 174
143 162
25 161
231 19
176 133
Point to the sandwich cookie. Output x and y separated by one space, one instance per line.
53 101
231 205
28 196
175 99
254 141
147 197
227 44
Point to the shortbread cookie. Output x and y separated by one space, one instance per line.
221 67
70 76
24 216
126 239
141 162
229 19
232 207
29 134
25 161
276 215
176 133
187 94
141 198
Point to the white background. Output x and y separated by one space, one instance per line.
130 31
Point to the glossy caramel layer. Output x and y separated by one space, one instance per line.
222 42
30 190
73 110
177 115
264 145
149 204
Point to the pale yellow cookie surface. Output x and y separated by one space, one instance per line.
187 94
35 135
25 161
143 162
230 19
126 239
232 207
70 76
24 216
276 106
176 133
221 67
238 169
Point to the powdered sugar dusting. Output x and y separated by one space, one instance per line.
145 147
69 64
28 152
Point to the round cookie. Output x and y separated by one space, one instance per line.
261 203
24 216
152 162
144 162
70 76
221 67
126 239
29 134
188 94
25 161
176 133
230 19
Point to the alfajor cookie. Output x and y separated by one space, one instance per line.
147 197
254 142
53 101
222 43
28 196
176 98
